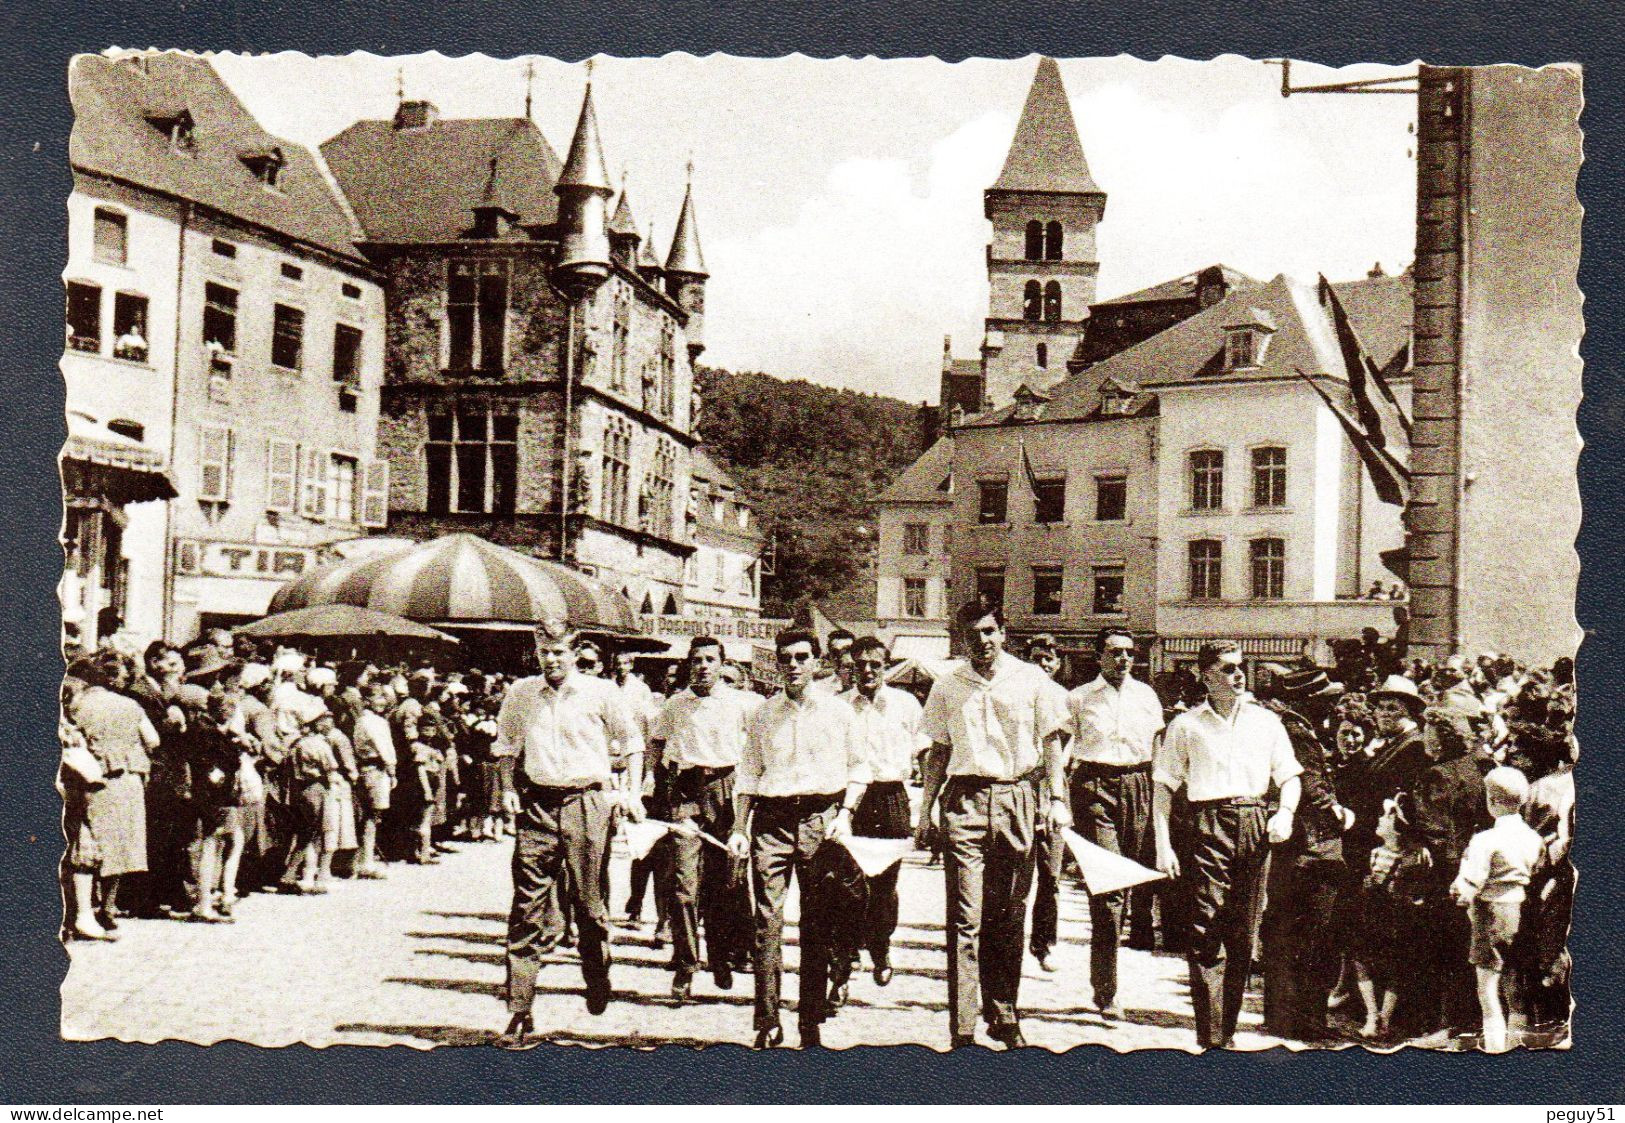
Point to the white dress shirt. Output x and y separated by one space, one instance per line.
888 731
563 737
1113 725
1225 758
996 727
801 748
704 732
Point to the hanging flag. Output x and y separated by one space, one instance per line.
1391 479
875 856
1103 871
1384 421
1027 467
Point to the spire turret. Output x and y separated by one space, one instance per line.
685 270
624 237
583 190
685 256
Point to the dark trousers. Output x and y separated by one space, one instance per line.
707 885
1300 945
558 831
172 851
1111 808
787 839
1048 864
1443 993
988 863
656 870
883 813
1228 850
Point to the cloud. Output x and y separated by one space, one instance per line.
877 266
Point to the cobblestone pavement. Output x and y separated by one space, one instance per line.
417 959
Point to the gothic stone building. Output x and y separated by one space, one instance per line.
538 385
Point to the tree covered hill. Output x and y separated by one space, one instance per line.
811 459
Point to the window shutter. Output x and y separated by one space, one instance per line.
313 486
281 475
375 494
214 463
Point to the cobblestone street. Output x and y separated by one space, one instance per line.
417 959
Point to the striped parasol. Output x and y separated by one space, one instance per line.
463 579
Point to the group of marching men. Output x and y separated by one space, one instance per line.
786 784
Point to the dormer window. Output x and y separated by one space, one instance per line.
266 164
1246 340
1113 404
177 126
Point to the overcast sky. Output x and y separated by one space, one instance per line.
840 202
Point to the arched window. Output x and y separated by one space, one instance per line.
1052 242
1043 356
1052 301
1035 240
1032 301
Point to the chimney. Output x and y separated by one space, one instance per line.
415 115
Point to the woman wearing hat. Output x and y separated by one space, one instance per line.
1395 762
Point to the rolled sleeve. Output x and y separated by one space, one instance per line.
857 761
934 723
1283 761
1171 760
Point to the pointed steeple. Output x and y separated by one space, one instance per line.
648 264
622 222
584 168
583 189
1046 154
685 256
492 215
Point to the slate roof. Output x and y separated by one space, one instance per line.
1381 310
117 101
1180 288
1046 154
1193 349
703 468
924 480
685 256
421 185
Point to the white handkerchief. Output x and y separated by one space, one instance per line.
641 837
1103 871
876 855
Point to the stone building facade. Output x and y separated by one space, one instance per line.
539 363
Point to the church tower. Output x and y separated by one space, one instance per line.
1041 263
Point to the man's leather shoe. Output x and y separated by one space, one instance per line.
811 1038
1045 962
519 1033
962 1041
837 996
723 976
598 998
1008 1035
770 1037
1109 1008
883 973
682 989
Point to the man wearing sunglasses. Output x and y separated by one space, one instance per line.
1226 753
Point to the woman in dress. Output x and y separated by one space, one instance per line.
118 734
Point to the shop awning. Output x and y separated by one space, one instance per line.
96 461
920 647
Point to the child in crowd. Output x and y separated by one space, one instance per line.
1494 873
376 762
216 767
1394 889
338 806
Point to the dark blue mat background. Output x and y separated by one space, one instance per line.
35 1067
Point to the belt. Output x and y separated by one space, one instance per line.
820 799
1232 801
706 771
1091 768
1033 777
557 791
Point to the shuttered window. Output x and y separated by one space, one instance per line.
214 463
281 475
375 494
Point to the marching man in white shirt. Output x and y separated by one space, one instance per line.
887 728
702 729
559 726
1115 722
1225 753
995 726
798 783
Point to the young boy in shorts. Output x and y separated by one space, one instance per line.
1494 871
